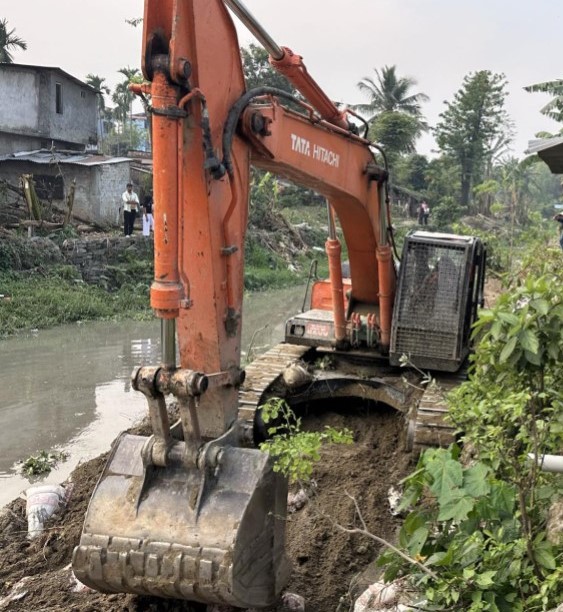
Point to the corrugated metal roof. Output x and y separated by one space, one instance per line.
44 156
550 150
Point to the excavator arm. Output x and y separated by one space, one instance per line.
206 131
189 512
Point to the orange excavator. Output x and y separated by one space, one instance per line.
196 511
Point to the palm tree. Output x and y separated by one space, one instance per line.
8 42
122 97
98 83
554 108
389 93
395 118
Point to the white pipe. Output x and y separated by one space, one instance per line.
548 463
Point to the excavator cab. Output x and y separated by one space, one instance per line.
440 287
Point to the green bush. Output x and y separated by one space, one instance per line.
478 531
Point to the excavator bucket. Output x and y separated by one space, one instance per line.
212 535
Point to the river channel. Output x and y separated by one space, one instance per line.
68 389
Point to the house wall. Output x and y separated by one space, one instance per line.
19 101
28 112
98 187
78 121
111 182
12 143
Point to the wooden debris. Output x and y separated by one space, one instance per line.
70 202
33 202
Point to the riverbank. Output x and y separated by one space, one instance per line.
62 278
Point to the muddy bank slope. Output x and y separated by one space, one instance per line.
326 562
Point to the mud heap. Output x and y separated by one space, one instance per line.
327 563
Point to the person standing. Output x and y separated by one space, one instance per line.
130 206
425 212
559 218
420 213
148 221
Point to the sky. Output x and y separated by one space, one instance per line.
437 42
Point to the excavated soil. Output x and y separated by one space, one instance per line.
326 562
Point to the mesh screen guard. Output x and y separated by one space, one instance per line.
431 303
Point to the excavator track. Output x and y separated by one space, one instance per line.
427 426
260 375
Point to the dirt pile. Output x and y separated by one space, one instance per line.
326 562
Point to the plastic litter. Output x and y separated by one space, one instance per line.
42 502
17 592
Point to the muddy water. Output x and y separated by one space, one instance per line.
68 388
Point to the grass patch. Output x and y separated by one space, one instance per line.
265 269
58 297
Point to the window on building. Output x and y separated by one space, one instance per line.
82 94
59 98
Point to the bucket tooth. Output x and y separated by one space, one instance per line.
141 535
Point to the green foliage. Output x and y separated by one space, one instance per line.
394 112
471 123
296 451
259 73
396 132
264 195
446 212
517 377
443 186
480 527
265 269
390 93
24 254
554 108
99 83
410 172
42 463
60 296
9 42
464 527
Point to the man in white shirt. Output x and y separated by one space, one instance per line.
130 207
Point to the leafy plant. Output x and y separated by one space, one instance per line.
43 462
296 451
481 527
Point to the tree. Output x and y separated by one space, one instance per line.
390 93
122 97
397 132
470 125
259 73
525 187
98 82
411 172
554 108
9 42
394 113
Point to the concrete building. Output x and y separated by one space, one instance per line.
42 106
100 180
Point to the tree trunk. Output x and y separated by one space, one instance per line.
465 188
